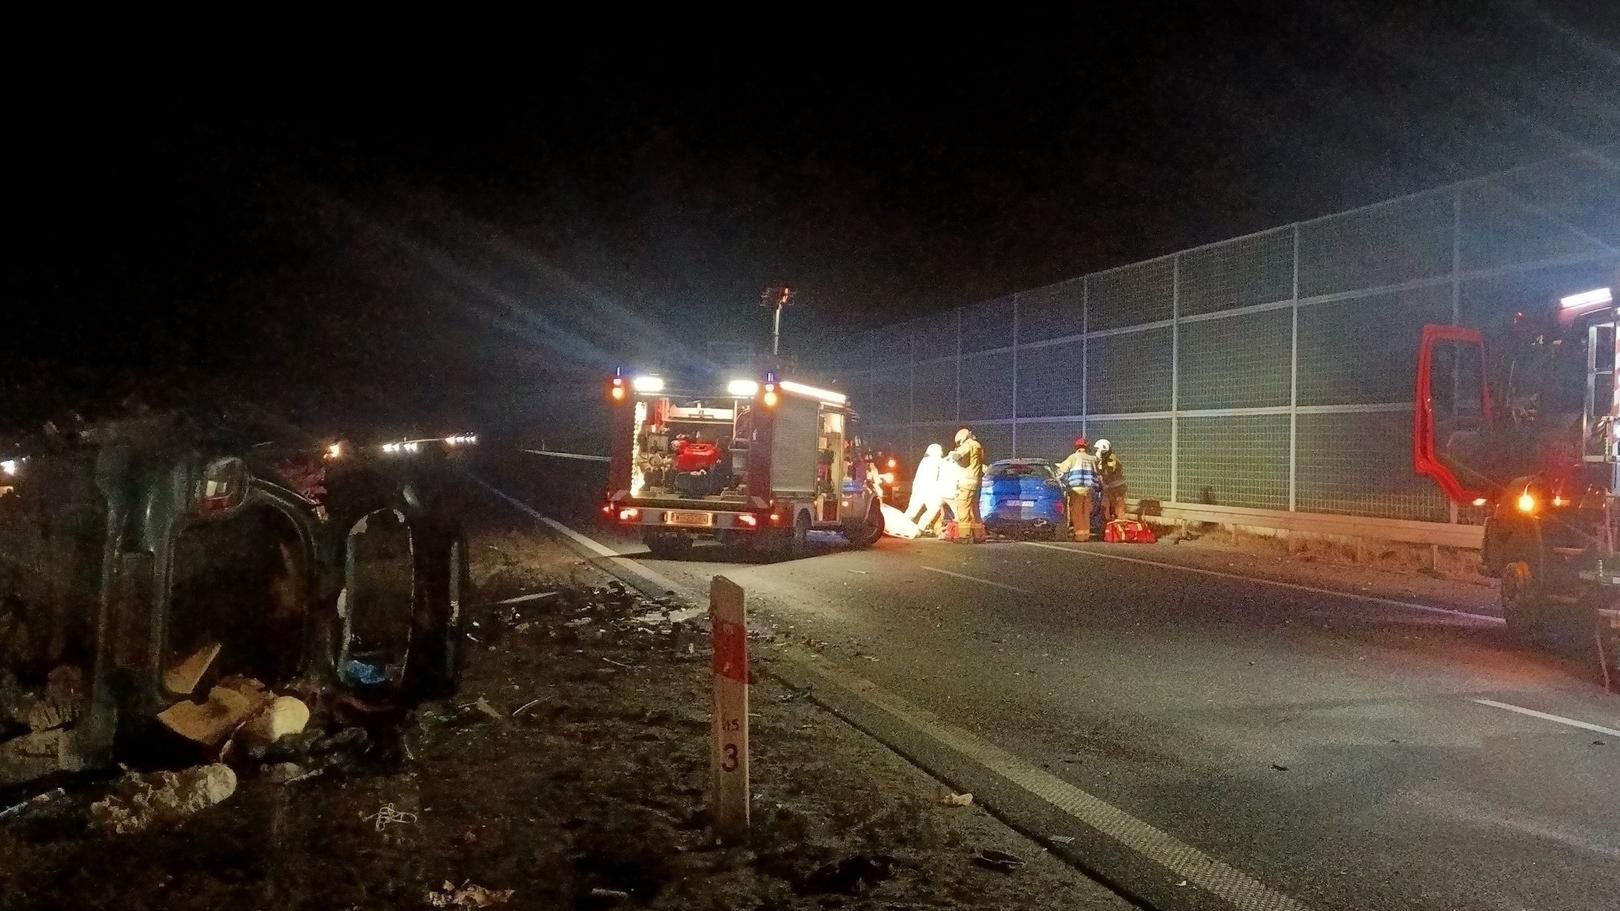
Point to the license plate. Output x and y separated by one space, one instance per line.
1024 503
697 519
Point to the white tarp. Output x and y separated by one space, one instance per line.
895 523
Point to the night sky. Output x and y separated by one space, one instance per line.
453 237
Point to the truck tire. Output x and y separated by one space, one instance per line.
669 547
867 533
799 544
1523 606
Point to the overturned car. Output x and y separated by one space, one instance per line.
143 559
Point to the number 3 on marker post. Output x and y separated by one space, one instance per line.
730 638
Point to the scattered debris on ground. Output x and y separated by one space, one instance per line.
467 895
572 771
139 802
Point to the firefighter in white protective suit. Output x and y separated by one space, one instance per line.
929 489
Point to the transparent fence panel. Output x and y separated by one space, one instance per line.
1364 350
1050 380
941 432
1051 312
1558 209
933 391
1047 440
1361 464
1236 362
1144 448
1387 244
1489 303
1369 280
934 336
1238 273
1126 373
1234 461
996 440
889 399
1500 229
1131 295
987 386
987 326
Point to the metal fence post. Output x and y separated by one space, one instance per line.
1014 414
1085 354
1456 296
958 411
1175 378
1293 389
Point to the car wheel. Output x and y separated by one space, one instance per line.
436 657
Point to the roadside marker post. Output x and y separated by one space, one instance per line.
730 721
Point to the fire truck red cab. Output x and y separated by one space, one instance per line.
755 463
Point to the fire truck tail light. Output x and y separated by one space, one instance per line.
748 520
629 514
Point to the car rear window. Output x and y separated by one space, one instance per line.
1020 471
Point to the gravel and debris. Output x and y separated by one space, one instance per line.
571 771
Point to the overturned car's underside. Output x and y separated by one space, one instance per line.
142 561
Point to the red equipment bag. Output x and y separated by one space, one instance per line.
1129 531
696 457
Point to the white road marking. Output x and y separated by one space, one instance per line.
1371 599
1145 839
520 599
1546 716
946 572
664 583
568 455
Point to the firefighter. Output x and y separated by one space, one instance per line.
1079 474
928 490
969 455
1111 473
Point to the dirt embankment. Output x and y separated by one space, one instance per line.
572 770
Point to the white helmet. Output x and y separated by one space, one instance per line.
936 450
1103 446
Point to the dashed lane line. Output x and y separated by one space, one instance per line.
946 572
1548 716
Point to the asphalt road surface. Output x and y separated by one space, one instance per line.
1322 737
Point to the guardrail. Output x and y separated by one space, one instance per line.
1404 531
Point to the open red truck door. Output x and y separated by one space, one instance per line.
1452 408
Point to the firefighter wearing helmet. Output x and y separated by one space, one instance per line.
969 455
1111 472
1079 475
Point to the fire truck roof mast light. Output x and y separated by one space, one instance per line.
826 395
648 384
743 389
1587 298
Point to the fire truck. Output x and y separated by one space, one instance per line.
1525 428
750 463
